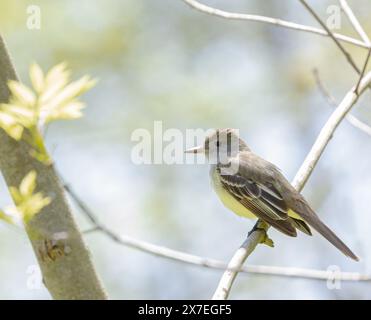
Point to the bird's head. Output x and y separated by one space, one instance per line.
221 144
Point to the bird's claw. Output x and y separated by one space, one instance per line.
265 238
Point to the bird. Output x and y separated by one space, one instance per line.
253 187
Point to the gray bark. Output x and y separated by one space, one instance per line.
65 262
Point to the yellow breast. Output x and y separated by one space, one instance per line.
226 198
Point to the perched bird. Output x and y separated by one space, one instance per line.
254 188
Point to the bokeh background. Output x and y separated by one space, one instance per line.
161 60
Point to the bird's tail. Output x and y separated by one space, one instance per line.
326 232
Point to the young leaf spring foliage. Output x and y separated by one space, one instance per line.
27 203
52 97
7 217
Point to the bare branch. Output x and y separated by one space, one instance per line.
204 262
327 131
354 21
363 71
237 261
340 46
290 25
330 99
353 120
333 37
276 22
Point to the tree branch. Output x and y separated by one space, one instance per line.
354 21
327 131
276 22
65 262
353 120
356 89
332 36
183 257
294 26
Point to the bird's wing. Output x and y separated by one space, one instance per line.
263 201
255 195
251 166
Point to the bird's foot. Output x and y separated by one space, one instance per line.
262 226
266 240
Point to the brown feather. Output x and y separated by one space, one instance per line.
263 172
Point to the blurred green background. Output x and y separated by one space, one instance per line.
161 60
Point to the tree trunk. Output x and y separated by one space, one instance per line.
65 262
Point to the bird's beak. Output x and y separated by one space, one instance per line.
199 149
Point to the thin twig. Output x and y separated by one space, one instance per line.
363 71
325 92
354 22
277 22
199 261
90 230
340 46
332 36
225 284
353 120
290 25
327 131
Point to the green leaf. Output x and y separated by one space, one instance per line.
5 217
53 98
37 77
70 92
9 123
42 156
57 72
21 93
16 195
15 132
7 119
56 79
27 202
19 110
69 111
21 114
28 184
33 205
